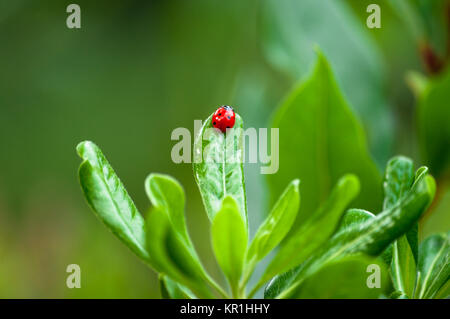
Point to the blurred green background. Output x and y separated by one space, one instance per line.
136 70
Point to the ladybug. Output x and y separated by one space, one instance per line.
223 118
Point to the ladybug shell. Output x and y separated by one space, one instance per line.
223 118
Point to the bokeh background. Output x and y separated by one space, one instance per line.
138 69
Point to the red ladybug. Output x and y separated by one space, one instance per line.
223 118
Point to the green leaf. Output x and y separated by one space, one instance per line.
354 216
347 278
229 239
171 255
433 117
218 166
167 194
290 31
167 197
312 117
109 199
280 283
444 292
371 237
172 290
277 224
315 231
434 265
398 179
403 267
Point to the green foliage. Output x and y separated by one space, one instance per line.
411 267
170 254
229 239
434 266
173 290
109 199
316 119
292 28
315 231
328 252
218 168
167 194
277 224
344 279
403 267
370 237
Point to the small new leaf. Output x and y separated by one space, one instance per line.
277 224
434 265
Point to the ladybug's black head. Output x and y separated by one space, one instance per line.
227 107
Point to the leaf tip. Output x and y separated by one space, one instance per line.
296 183
84 147
399 158
351 182
431 184
322 61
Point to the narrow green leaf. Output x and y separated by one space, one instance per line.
347 278
171 255
109 199
173 290
434 265
444 292
371 237
229 240
403 267
316 230
218 166
311 117
277 224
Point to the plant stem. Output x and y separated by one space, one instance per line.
248 271
217 287
235 293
